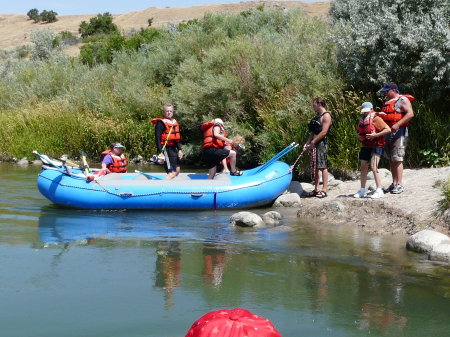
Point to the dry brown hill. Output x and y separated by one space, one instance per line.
16 30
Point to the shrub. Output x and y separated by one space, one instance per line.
44 44
405 42
101 24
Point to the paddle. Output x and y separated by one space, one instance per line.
280 154
85 166
46 160
148 175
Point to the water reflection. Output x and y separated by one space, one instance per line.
354 284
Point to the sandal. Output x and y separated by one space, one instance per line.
321 194
311 194
236 173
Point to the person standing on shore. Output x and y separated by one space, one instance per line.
319 126
167 138
397 111
371 131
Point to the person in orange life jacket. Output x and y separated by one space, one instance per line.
114 160
214 151
168 129
397 111
319 127
371 131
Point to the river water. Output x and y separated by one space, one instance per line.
134 274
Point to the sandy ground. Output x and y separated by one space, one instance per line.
16 30
406 213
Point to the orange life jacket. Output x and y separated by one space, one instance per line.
119 164
392 115
366 127
174 136
208 137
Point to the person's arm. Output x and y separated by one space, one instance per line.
216 133
105 162
159 130
380 126
406 108
308 141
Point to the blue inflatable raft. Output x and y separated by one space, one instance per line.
67 186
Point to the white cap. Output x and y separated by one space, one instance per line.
217 121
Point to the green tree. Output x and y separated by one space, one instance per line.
48 16
407 42
101 24
33 14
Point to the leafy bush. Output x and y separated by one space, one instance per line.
100 24
44 44
406 42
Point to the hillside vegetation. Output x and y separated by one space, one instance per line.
258 70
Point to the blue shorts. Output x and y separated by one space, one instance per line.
366 153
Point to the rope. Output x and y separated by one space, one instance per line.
313 164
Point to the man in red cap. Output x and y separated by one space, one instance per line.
232 323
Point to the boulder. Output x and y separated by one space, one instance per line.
335 206
336 183
295 187
424 241
137 159
272 218
37 162
385 173
246 219
23 162
288 200
441 252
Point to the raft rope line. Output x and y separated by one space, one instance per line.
130 194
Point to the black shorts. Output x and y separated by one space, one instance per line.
174 161
366 153
212 156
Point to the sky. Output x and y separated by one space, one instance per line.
68 7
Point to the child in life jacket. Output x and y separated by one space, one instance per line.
371 131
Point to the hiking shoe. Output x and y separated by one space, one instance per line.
389 189
377 194
360 194
397 189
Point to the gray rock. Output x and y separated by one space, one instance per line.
23 162
441 252
385 173
336 183
37 162
137 159
288 200
335 206
272 218
424 241
295 187
246 219
306 186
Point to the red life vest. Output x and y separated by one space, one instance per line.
392 115
366 127
174 136
119 164
208 137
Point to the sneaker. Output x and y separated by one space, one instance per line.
377 194
360 194
397 189
389 189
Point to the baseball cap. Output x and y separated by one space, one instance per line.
387 87
366 107
218 121
118 145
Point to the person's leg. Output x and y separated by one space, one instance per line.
232 156
364 170
374 166
324 179
225 166
316 179
212 172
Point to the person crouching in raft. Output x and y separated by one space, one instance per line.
168 137
371 131
114 160
214 147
